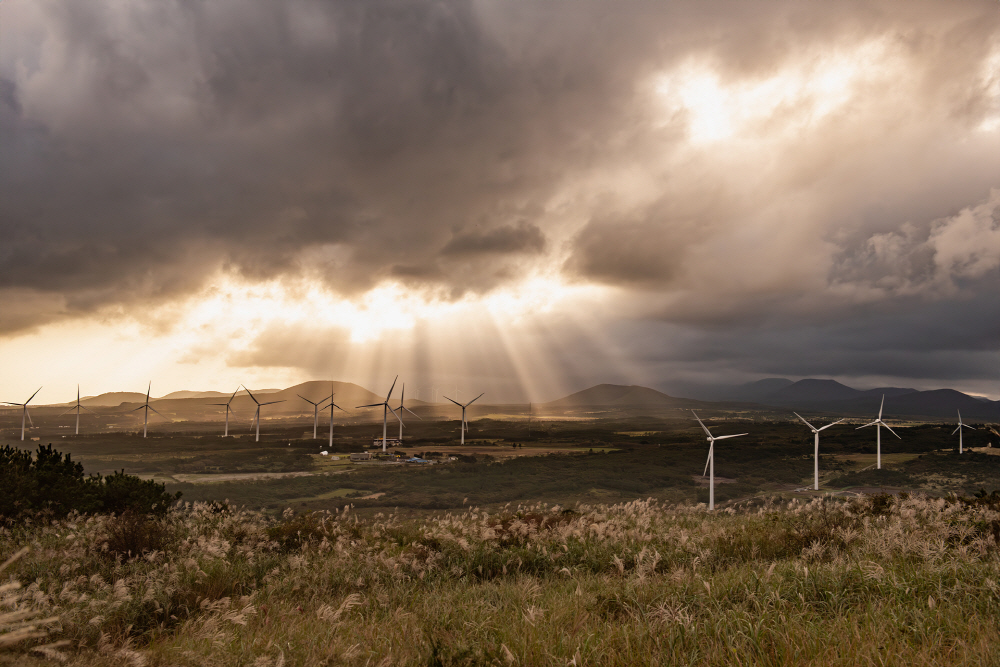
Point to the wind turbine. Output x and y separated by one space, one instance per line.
332 406
385 412
710 464
816 447
147 407
229 408
959 430
77 407
464 406
256 415
878 424
402 392
24 411
315 411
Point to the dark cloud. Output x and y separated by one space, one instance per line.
454 147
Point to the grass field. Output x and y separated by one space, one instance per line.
878 581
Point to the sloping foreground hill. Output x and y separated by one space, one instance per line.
879 580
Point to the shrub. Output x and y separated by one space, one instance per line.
49 484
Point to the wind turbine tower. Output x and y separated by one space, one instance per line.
816 447
386 409
229 408
710 464
78 407
402 392
147 407
464 406
315 411
878 424
959 430
256 415
24 411
332 406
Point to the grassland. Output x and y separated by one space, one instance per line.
875 581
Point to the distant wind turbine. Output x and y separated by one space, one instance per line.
229 408
315 411
402 392
147 407
332 406
24 411
710 464
959 430
464 406
78 407
256 415
878 424
386 409
816 447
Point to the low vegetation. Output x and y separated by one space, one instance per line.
49 484
876 580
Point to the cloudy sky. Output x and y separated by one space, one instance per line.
520 197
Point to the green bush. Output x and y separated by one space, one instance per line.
49 484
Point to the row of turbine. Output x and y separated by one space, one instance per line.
877 423
317 406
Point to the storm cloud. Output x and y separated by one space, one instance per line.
752 180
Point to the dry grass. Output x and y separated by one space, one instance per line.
879 581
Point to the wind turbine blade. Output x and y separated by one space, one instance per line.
396 416
273 402
867 425
833 424
141 407
474 400
804 421
881 406
67 412
455 402
890 430
28 415
412 413
149 389
9 403
957 429
307 400
233 396
710 448
156 411
337 406
88 409
959 415
33 395
373 405
251 396
703 427
391 388
971 428
402 394
723 437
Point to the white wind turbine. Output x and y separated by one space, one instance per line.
878 424
816 447
147 407
332 406
402 393
78 407
710 464
315 411
24 411
229 408
464 406
386 409
256 415
959 430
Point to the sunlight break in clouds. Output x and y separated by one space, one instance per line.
804 92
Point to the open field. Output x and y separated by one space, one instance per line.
562 461
880 580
